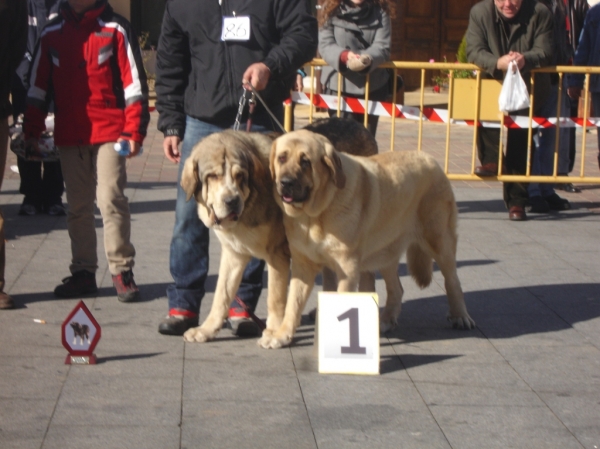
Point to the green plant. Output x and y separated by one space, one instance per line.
441 80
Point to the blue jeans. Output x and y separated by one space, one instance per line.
543 156
596 106
189 245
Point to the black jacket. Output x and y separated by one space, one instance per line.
13 40
199 75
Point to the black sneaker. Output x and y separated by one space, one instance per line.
56 210
175 324
538 205
27 209
557 203
80 283
242 325
127 291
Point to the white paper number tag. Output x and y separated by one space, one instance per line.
348 327
236 28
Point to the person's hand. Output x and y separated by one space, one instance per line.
504 61
574 92
134 149
171 148
356 63
299 84
257 75
32 149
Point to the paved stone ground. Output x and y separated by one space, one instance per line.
527 377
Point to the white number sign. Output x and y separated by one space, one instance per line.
236 28
348 329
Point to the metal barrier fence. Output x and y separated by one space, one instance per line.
481 109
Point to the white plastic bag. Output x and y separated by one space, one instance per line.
514 94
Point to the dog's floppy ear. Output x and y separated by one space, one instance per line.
272 158
334 163
190 179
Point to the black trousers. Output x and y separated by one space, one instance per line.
41 182
514 162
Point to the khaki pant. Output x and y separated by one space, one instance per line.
3 149
97 172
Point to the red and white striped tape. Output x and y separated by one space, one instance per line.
434 115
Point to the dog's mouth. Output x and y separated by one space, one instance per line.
292 192
291 199
232 216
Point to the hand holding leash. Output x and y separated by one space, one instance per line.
257 75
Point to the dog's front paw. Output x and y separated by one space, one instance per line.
461 322
199 335
272 340
387 323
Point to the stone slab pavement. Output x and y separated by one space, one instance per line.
527 377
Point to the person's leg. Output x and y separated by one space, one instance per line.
188 258
567 136
596 106
249 290
542 160
30 186
114 207
6 302
79 168
53 187
488 146
515 193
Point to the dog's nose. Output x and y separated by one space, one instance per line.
287 183
232 202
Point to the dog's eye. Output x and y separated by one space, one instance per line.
304 163
211 177
282 159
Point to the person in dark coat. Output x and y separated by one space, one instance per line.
41 181
13 41
501 31
207 52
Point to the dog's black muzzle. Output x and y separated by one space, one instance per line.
292 191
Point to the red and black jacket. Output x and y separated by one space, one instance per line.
91 65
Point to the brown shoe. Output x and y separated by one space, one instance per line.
490 169
517 213
6 302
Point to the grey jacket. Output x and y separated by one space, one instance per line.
530 34
371 35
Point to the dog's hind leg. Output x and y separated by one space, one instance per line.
393 304
445 257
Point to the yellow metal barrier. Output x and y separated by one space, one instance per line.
483 107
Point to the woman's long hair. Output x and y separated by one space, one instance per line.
329 8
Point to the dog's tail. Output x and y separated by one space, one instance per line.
420 265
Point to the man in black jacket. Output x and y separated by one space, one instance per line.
13 40
206 51
41 182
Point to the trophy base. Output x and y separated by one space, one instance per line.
80 359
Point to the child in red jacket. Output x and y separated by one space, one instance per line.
89 62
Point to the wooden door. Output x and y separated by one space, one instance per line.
428 29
